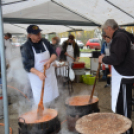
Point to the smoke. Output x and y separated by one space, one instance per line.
17 78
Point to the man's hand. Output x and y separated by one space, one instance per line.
100 58
41 76
47 64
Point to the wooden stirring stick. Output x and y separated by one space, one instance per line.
92 93
40 105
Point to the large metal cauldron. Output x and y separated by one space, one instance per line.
47 127
75 111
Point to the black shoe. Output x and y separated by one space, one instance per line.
9 103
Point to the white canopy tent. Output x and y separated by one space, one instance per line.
77 14
13 29
59 12
101 10
43 12
21 28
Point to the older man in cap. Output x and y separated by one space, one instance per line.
37 52
122 60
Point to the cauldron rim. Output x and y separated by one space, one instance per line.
66 102
38 122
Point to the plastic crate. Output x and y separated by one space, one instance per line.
88 79
78 65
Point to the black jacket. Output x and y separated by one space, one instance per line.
121 53
28 55
64 50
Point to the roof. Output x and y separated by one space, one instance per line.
65 15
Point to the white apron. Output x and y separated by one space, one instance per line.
116 81
50 88
70 51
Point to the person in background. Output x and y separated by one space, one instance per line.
70 50
55 42
37 52
8 37
8 48
122 60
105 51
103 44
55 46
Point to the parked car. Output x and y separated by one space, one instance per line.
79 42
94 43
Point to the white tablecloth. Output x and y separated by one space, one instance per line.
62 70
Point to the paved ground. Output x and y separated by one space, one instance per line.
20 105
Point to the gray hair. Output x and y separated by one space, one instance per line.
103 33
111 23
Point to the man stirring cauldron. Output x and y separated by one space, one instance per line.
36 53
122 60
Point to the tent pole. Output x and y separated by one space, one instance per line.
132 30
3 71
14 2
47 22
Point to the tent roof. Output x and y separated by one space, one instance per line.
101 10
13 29
21 28
44 13
74 13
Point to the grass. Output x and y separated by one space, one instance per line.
86 60
87 50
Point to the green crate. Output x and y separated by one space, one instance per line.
88 79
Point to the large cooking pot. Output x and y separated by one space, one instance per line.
49 123
79 106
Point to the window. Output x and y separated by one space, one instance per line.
96 41
91 40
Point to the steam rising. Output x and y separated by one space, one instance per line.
17 77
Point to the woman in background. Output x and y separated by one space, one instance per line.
107 53
55 45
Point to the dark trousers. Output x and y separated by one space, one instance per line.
108 78
121 100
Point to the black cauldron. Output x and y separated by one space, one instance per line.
76 112
48 127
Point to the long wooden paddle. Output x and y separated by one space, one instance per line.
92 93
40 105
